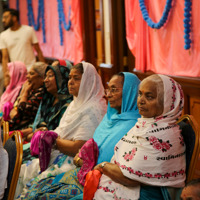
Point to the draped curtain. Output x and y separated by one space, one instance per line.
72 48
162 50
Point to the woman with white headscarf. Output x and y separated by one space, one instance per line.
151 156
77 125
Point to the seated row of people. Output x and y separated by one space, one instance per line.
21 111
132 158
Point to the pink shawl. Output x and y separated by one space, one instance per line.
41 144
89 154
18 74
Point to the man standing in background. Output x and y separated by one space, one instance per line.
17 43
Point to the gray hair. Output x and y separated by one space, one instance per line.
78 67
160 87
120 74
40 68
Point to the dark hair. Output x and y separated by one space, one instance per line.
13 12
78 67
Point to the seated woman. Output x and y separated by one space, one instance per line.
18 73
77 125
55 100
3 168
122 114
152 154
26 106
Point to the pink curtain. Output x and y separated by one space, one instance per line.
162 51
72 48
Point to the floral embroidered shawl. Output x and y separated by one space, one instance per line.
153 151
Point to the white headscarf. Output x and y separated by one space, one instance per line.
153 151
3 168
86 111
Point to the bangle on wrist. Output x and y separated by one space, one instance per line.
102 166
76 162
44 128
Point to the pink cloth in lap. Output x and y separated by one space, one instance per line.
41 144
35 143
46 142
89 154
6 110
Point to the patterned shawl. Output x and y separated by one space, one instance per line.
49 114
153 151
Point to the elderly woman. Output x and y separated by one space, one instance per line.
77 125
18 73
152 154
122 114
55 100
3 168
25 108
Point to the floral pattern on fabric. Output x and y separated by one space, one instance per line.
129 156
159 144
181 140
27 111
174 91
150 175
65 187
160 157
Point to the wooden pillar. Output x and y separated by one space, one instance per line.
89 31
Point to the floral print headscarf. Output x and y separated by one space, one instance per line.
153 151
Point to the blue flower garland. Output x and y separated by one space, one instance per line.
62 20
187 23
17 4
31 20
148 19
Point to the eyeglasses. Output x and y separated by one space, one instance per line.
112 90
49 76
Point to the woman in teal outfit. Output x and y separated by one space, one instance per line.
122 114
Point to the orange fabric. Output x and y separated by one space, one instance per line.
162 51
91 184
72 48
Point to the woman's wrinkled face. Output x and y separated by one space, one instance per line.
74 82
114 92
34 79
50 82
148 102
